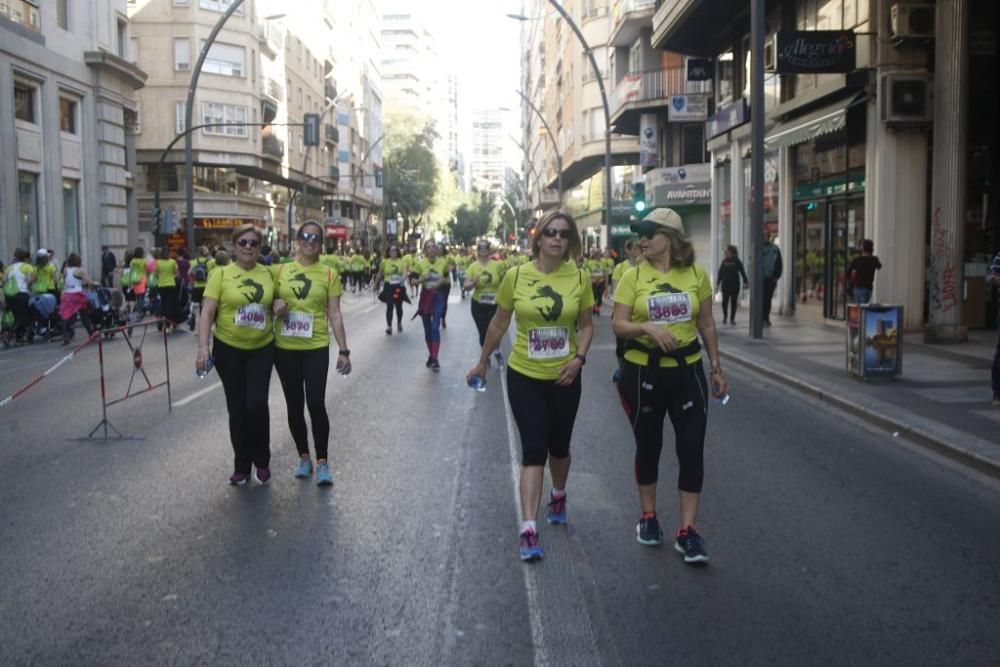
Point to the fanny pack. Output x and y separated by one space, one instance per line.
679 355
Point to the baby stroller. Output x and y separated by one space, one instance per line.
103 311
44 317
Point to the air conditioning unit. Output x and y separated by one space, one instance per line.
912 21
771 52
906 99
183 67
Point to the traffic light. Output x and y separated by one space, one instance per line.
638 199
156 215
310 133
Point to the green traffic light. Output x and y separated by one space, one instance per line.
640 206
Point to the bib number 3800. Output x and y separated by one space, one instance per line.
548 343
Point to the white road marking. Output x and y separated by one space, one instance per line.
196 395
530 575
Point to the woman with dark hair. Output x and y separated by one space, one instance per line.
137 270
434 274
74 298
392 275
552 299
308 293
730 271
661 307
18 279
483 277
238 300
167 274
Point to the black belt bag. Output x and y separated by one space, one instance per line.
679 355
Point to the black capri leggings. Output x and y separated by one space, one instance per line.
482 313
730 298
598 294
545 413
391 305
303 381
648 395
246 379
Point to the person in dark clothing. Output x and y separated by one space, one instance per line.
861 272
108 266
772 273
993 280
728 280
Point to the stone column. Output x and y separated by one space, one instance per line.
944 271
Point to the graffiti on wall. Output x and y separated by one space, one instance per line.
942 277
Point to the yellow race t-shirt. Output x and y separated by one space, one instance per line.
243 318
45 278
306 290
138 268
359 262
672 300
166 272
486 280
433 272
393 270
595 268
620 269
546 307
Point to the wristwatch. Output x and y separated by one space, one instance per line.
583 359
345 353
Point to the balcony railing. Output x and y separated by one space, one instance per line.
273 146
22 12
332 134
271 88
623 7
654 85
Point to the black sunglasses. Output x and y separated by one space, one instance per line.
310 237
552 232
245 243
649 235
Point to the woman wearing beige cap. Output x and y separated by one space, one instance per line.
661 308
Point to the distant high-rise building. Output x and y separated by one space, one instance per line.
488 172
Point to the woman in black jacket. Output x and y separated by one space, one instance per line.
730 272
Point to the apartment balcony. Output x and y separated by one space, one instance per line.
331 134
645 92
628 17
692 27
271 39
330 89
273 147
272 90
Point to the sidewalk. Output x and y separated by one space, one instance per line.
941 400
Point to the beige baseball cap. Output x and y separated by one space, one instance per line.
658 219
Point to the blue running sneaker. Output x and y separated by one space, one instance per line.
648 532
690 544
530 548
557 509
616 376
323 476
305 469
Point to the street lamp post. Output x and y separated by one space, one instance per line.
305 165
757 27
189 117
604 101
555 144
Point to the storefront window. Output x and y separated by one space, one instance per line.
27 201
725 78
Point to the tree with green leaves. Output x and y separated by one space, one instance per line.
411 171
473 219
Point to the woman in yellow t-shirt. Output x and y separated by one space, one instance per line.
434 275
308 292
138 278
392 274
661 308
483 277
552 299
238 300
166 287
632 258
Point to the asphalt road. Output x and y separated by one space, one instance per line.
830 543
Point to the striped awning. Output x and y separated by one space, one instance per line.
825 120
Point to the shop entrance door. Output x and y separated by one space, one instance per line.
835 303
810 258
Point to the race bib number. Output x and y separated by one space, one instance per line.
251 316
297 325
489 298
669 308
548 343
432 278
395 280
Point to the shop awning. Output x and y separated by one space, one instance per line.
824 120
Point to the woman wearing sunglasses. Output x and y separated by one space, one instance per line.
552 299
661 307
433 271
392 275
237 299
308 293
483 277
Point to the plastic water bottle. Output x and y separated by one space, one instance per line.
478 383
723 399
209 364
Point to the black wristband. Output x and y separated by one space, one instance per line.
583 359
345 353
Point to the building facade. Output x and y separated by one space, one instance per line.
68 82
487 166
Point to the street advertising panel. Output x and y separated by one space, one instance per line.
689 185
874 340
700 69
686 108
727 117
815 52
649 141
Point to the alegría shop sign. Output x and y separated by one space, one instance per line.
815 52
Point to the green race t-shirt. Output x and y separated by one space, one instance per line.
358 262
138 268
166 272
394 270
432 272
620 269
306 290
486 279
546 308
595 268
672 300
45 278
243 318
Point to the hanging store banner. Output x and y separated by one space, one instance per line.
690 185
684 108
815 52
649 140
631 87
700 69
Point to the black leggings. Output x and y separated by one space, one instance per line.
446 290
730 298
598 294
482 313
169 300
545 413
303 381
389 306
648 395
22 314
246 379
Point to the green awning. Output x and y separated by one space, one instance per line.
825 120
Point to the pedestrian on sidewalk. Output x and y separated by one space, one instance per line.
728 280
661 307
772 269
308 293
238 300
861 272
993 279
108 265
553 300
